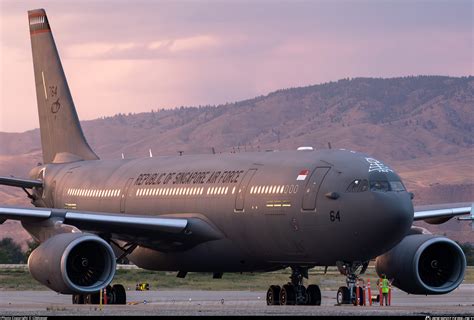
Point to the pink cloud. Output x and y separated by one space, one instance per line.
136 57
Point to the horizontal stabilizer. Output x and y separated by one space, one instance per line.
20 183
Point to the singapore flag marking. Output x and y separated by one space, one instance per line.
303 174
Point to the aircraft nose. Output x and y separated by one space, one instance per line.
395 216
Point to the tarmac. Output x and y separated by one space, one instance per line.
460 302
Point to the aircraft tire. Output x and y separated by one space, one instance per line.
287 295
77 298
273 296
120 294
343 296
92 298
314 295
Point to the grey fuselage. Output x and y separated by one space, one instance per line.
275 209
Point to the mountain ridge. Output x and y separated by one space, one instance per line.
422 126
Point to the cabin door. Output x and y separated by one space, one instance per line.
312 188
242 190
124 194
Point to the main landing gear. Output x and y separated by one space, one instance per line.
113 295
348 294
294 292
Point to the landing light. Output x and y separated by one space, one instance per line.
305 149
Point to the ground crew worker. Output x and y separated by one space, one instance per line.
385 288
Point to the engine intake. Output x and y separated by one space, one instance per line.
424 264
73 263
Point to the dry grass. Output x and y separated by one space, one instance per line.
20 279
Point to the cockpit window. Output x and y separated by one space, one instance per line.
358 185
379 182
385 181
383 186
364 186
397 186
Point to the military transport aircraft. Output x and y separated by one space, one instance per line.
244 212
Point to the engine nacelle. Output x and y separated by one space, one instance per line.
424 264
73 263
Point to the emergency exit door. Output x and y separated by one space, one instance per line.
312 188
124 195
242 190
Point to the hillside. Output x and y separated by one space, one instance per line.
422 126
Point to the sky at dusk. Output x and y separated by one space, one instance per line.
134 56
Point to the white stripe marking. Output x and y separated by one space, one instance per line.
24 213
44 86
426 214
177 224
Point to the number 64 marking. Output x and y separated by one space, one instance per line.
334 216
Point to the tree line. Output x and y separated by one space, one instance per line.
12 253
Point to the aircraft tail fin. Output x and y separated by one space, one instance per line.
62 138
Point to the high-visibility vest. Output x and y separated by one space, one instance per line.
385 285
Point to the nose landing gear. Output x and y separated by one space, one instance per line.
349 294
294 292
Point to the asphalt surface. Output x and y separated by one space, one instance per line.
43 303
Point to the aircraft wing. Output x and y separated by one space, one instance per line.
20 183
436 214
162 231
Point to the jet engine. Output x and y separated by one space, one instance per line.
73 263
424 264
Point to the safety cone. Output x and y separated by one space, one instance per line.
357 292
369 292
